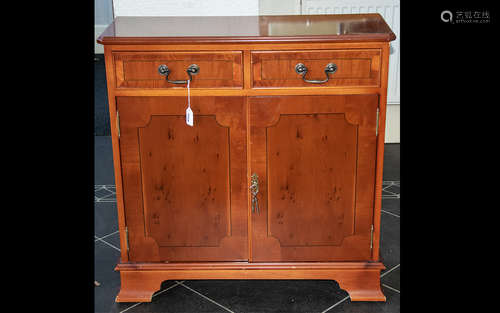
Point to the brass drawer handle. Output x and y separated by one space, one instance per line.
301 69
193 69
254 189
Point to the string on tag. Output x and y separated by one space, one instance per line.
189 97
189 112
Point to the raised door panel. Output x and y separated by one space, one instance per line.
184 187
315 159
185 181
311 178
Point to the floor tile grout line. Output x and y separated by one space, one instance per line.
390 213
389 287
106 198
109 244
133 306
328 309
109 189
392 193
207 298
109 193
105 195
177 283
97 238
109 196
106 235
392 269
112 188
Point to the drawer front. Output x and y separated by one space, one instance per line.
354 68
216 69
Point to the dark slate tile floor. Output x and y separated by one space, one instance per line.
103 161
306 296
101 115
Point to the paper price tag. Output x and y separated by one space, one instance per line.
189 112
189 117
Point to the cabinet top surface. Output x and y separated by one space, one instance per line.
247 29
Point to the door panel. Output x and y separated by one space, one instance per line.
311 164
185 181
185 186
314 156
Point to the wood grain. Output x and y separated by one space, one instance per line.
140 69
185 187
247 29
185 181
287 199
260 46
182 192
115 142
354 68
311 162
360 279
380 154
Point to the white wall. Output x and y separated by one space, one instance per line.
103 16
280 7
185 7
392 123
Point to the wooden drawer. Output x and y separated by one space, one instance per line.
140 69
354 68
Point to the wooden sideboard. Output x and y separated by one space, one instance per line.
280 176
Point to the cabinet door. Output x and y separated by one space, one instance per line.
315 161
185 188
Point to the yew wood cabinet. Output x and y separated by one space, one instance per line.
280 175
